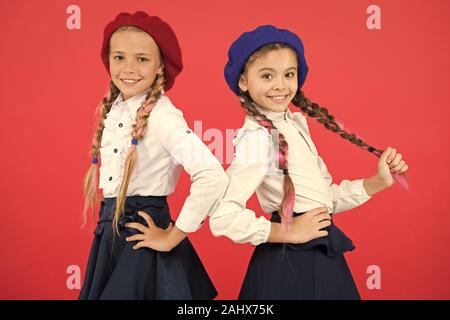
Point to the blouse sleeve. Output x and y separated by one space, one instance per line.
247 171
346 195
208 179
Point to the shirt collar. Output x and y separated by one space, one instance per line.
277 116
132 103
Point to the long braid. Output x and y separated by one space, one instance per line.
91 197
310 108
287 203
313 110
321 114
143 113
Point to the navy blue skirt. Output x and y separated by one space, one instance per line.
116 271
315 270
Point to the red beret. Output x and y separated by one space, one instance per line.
159 30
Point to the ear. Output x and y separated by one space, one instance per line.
243 83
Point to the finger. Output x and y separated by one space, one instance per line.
322 234
404 168
323 216
136 237
398 167
396 161
170 227
385 154
147 218
140 244
324 224
137 226
319 210
391 155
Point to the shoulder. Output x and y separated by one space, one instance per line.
251 130
165 111
300 120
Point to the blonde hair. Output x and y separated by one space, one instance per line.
90 187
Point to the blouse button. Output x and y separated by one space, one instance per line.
120 125
110 178
188 131
115 150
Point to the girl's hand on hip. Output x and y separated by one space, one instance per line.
307 226
152 236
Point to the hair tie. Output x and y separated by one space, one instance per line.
94 160
285 172
134 141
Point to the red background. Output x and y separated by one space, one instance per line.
389 86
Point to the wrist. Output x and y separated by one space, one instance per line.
170 243
278 235
383 183
375 184
174 237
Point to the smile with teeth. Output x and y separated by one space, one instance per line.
130 81
278 98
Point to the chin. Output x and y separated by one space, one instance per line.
130 93
277 108
282 109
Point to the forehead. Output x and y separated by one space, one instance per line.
283 59
130 41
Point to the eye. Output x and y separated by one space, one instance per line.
290 74
141 59
118 58
267 76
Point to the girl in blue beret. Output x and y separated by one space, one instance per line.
299 253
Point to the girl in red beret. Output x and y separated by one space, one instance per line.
142 140
299 252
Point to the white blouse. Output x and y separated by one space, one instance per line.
254 170
167 144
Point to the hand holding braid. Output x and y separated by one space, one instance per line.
321 114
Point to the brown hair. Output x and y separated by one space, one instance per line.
312 109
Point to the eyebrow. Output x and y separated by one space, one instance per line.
137 54
270 69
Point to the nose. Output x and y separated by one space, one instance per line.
128 67
279 84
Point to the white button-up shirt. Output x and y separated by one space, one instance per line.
167 143
254 170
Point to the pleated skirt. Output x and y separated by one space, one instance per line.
116 271
316 270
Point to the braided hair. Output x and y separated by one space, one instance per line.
287 203
322 115
313 110
91 197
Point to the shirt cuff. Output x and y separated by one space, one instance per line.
361 191
186 225
263 226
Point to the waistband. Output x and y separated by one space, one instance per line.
335 243
155 206
139 200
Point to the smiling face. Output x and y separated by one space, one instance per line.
134 61
271 79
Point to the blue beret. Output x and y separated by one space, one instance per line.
249 42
